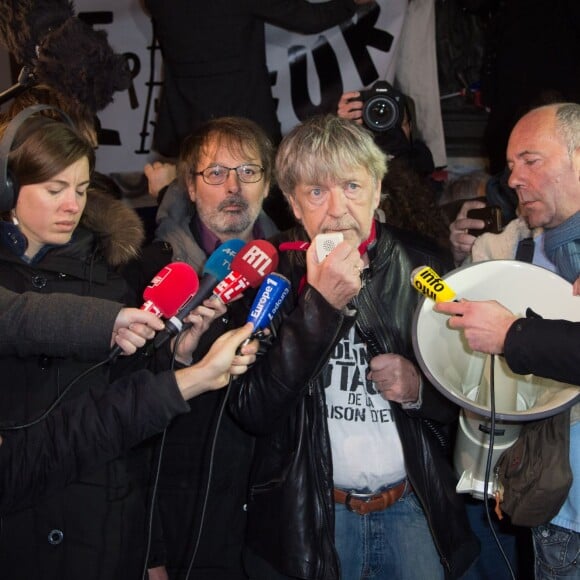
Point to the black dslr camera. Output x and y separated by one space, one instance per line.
383 107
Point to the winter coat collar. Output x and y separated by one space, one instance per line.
117 226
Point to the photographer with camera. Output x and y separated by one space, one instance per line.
388 114
408 194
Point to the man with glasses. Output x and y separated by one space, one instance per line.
224 175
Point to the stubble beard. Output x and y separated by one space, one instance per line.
222 221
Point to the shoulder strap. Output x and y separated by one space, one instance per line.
525 250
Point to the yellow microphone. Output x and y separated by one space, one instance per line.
429 283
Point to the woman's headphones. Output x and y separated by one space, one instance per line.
8 186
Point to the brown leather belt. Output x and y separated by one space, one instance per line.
364 503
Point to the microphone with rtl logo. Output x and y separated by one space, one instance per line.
168 290
250 266
215 269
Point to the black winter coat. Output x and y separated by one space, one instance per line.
281 399
32 323
215 59
92 529
84 433
546 348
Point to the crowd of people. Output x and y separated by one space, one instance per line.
316 450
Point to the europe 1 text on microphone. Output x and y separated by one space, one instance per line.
267 301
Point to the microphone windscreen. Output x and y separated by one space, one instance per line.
268 300
219 263
429 283
255 261
171 287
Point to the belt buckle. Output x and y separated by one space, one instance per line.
364 497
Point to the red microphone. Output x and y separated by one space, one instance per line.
169 289
249 267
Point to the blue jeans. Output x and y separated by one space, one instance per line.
557 553
394 543
490 563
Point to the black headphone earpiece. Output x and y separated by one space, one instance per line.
8 186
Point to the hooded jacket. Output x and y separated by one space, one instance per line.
91 528
281 399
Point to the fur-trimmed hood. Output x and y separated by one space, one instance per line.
118 227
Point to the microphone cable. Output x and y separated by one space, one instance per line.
208 481
488 467
161 446
55 403
209 477
144 574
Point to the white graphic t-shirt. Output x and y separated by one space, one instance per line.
366 449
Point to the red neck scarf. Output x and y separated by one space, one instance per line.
303 246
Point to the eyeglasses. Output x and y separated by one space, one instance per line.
217 174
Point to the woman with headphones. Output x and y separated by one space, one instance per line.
59 235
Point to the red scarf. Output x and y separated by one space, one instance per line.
303 246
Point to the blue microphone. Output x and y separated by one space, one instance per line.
215 270
267 302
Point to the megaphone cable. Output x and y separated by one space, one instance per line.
488 467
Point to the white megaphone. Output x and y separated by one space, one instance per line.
463 375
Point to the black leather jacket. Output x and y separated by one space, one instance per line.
281 399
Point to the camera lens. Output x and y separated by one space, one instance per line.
380 113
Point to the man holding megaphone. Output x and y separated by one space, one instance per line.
543 156
543 347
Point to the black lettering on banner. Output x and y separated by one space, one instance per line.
357 380
359 414
371 390
343 350
134 64
358 37
328 71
